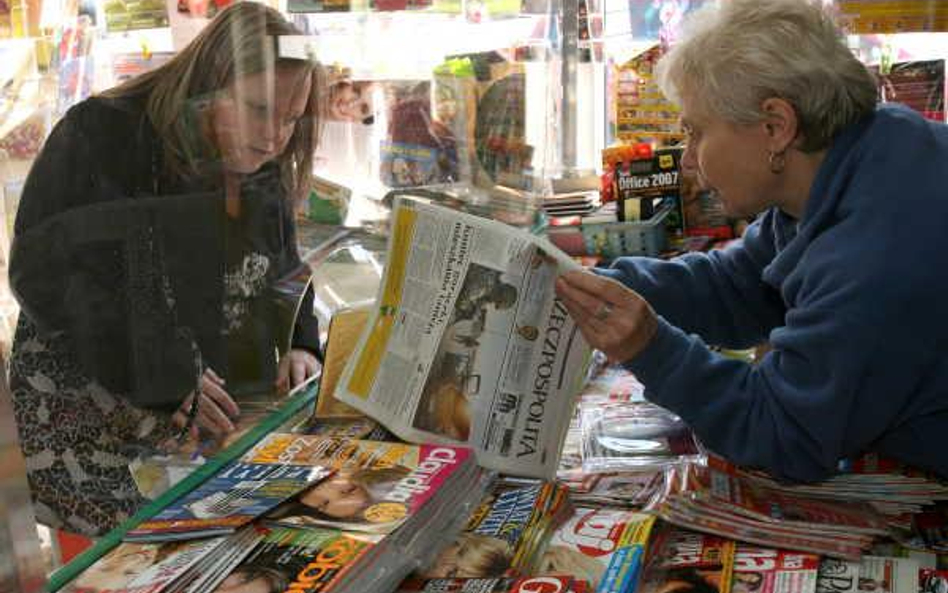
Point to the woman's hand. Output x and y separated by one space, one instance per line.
612 318
216 409
297 366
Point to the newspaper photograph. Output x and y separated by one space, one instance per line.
468 342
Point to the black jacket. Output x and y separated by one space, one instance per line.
130 262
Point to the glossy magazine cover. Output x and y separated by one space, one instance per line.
769 570
239 493
605 547
375 486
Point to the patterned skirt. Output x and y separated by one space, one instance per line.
78 438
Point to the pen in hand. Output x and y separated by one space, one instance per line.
213 412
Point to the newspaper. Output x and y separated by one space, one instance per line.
468 342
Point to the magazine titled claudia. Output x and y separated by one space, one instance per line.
468 343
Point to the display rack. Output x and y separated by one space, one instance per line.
561 80
287 415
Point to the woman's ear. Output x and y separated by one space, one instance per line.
780 122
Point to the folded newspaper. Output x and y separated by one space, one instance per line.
468 342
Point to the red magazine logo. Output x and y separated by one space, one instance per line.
542 585
595 533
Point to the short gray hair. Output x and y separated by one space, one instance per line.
733 57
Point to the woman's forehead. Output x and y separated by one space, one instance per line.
693 110
279 81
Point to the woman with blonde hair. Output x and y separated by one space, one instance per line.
565 561
343 498
782 122
471 556
152 235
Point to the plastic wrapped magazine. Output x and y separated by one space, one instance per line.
637 490
631 437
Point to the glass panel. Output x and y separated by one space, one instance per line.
199 154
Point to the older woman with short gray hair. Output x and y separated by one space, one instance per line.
749 51
782 123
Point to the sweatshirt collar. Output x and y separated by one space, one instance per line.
791 236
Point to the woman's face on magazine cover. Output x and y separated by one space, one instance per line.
747 582
450 564
119 567
239 583
350 101
471 556
339 497
711 582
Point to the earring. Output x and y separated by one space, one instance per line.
778 160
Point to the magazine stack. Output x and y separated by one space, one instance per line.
537 584
356 516
505 535
605 547
175 566
471 358
714 499
679 555
386 508
769 570
312 559
889 487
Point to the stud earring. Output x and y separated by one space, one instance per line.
778 161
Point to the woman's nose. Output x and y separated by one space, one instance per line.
272 135
689 160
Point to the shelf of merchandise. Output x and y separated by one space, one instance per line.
408 46
290 413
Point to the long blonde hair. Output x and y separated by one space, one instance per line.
240 40
562 560
478 556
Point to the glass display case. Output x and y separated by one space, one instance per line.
497 104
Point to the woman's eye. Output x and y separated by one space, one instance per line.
258 109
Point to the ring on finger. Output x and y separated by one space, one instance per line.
603 312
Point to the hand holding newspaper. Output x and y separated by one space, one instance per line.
468 343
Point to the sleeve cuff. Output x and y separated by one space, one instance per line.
660 358
306 336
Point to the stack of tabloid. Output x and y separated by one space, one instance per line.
355 516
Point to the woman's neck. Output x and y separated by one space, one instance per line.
232 194
798 181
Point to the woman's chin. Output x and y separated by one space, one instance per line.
246 165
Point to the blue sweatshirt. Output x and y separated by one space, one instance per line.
852 298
